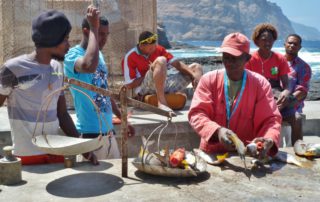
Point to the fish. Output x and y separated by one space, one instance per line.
210 158
241 149
285 158
163 156
306 149
147 157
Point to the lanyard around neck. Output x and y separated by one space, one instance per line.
226 95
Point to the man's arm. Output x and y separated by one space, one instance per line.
89 62
303 83
115 108
135 83
284 96
183 68
201 114
193 73
65 120
68 127
2 99
267 118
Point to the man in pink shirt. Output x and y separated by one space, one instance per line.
235 100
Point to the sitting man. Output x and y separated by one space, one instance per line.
235 100
145 70
270 64
299 79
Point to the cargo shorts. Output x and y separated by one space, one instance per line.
176 82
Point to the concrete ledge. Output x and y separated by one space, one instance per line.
144 123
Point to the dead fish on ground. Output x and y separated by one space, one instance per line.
145 156
211 158
283 157
306 149
179 158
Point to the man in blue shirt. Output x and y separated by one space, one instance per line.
85 62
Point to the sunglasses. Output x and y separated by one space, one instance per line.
149 40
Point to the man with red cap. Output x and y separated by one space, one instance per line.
235 100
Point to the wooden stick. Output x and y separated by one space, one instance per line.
124 131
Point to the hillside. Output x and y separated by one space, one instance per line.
308 33
213 19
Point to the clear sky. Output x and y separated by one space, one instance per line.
305 12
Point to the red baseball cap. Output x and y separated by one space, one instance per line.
235 44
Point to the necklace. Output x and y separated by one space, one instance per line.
226 95
263 62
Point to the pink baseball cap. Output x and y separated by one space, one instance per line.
235 44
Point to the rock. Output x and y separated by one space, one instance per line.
162 36
214 19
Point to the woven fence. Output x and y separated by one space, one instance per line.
128 18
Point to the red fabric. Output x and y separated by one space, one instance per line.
134 61
235 44
276 60
116 120
41 159
256 116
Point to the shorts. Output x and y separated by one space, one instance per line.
174 83
41 159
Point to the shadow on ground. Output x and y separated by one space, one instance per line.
84 185
87 166
171 181
44 168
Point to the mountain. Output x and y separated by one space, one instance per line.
214 19
306 32
162 36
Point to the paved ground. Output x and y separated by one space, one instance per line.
229 182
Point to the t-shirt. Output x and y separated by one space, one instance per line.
136 65
271 68
27 85
87 117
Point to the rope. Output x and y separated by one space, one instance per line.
146 143
162 127
48 100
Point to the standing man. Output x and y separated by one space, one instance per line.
27 80
145 70
235 100
299 81
85 62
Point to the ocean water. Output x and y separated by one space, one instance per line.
310 52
